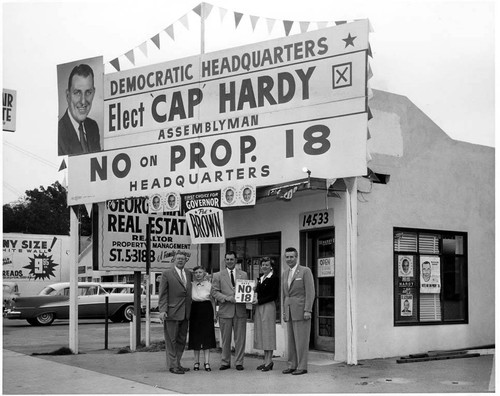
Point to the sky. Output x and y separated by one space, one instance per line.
439 54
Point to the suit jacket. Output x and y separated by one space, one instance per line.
222 288
269 290
68 140
299 297
175 298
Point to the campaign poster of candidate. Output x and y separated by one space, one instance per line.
406 305
430 274
81 106
32 257
123 229
204 216
237 196
405 266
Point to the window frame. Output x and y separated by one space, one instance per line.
416 254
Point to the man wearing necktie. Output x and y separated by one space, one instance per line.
298 294
175 307
77 133
232 316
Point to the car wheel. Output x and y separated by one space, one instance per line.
45 319
128 313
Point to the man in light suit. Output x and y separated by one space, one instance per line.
298 292
77 133
175 307
232 316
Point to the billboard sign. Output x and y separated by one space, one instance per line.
32 257
217 92
9 109
333 147
123 223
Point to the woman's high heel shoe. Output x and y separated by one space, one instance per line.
196 366
261 367
268 367
207 367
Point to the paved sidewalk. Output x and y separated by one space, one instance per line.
106 372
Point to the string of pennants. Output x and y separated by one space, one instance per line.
203 10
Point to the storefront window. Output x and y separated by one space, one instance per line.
430 277
249 250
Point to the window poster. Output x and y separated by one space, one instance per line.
406 305
406 271
405 266
430 274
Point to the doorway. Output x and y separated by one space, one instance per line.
320 258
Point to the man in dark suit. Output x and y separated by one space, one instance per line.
175 307
232 316
77 133
298 293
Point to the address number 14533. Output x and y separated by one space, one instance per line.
318 218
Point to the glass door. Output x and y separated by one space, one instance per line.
323 265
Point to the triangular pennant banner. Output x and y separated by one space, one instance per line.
254 19
370 115
130 56
237 18
370 73
288 26
156 39
207 9
63 165
116 64
368 155
368 134
170 31
330 183
370 51
222 12
197 9
144 48
184 20
304 26
322 25
370 92
270 24
88 207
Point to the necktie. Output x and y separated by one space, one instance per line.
232 278
83 138
183 278
290 277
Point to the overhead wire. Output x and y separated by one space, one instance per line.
31 155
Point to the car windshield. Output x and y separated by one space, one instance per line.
47 291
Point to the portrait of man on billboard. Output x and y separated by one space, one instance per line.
78 133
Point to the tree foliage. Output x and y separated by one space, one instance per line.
41 211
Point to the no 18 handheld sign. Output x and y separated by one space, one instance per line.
244 292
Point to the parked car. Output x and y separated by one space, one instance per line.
114 287
53 303
10 290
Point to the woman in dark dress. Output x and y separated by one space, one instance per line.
267 292
202 319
